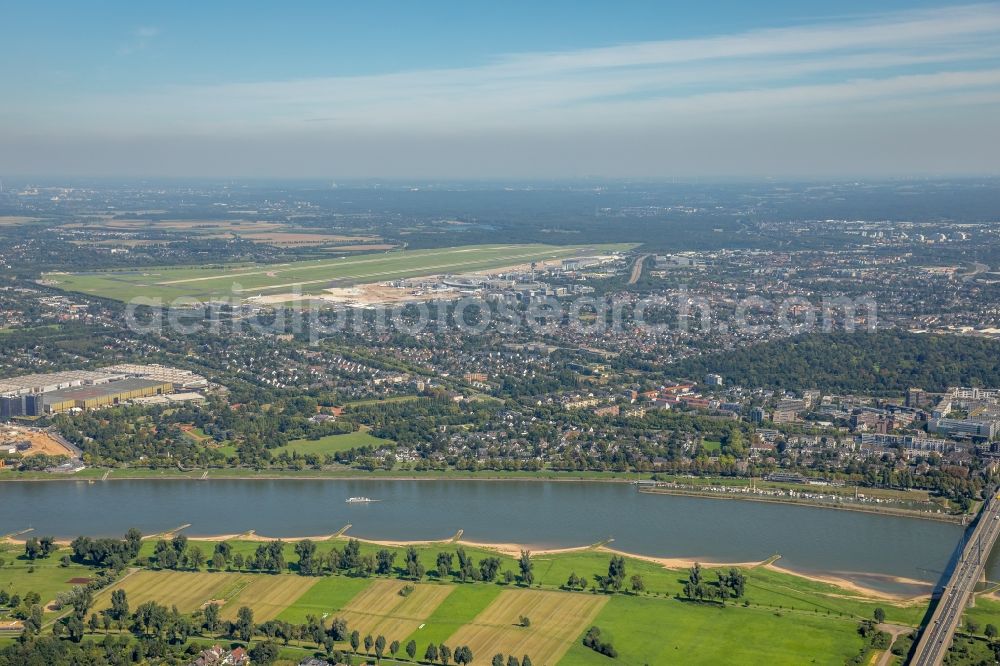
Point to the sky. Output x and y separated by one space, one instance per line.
432 90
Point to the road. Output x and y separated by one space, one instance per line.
936 637
637 268
977 268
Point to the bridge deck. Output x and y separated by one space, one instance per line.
937 635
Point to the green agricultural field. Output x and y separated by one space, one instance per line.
652 631
187 590
47 576
267 595
328 595
332 444
782 618
311 277
457 610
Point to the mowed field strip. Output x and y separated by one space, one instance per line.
557 619
189 591
267 595
311 277
381 609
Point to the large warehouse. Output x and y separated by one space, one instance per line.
38 394
102 395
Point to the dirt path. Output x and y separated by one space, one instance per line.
896 630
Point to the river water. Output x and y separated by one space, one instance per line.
868 548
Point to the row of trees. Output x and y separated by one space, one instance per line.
729 585
613 581
35 548
107 552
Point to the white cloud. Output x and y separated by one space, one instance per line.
823 63
833 78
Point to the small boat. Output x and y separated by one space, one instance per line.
359 500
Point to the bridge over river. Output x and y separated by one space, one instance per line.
957 590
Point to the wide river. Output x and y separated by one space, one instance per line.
870 549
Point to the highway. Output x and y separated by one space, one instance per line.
937 635
637 268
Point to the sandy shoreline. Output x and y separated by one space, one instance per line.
857 588
514 550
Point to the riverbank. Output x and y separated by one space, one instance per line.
513 550
545 517
843 506
347 474
815 620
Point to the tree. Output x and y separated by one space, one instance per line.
179 542
164 554
466 571
355 641
150 618
414 569
723 591
33 548
369 642
195 557
224 550
411 649
352 555
463 655
306 551
431 653
384 560
74 628
444 560
991 631
238 561
133 542
218 562
736 582
210 618
119 605
338 629
244 623
264 653
512 661
92 623
527 568
592 639
638 585
616 572
379 647
81 599
489 567
525 660
393 648
444 654
497 660
879 615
